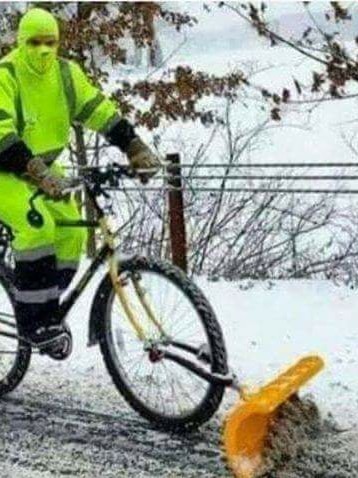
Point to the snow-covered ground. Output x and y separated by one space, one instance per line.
269 327
67 418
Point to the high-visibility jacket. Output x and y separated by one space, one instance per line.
40 108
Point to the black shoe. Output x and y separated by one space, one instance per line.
53 340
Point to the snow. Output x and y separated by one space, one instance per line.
267 327
67 418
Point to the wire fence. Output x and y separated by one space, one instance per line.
179 185
263 177
238 190
178 172
269 165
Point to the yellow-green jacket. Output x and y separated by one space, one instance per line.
40 108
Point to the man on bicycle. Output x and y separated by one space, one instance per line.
41 95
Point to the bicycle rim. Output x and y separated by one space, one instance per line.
163 387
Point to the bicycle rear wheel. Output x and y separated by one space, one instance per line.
162 391
15 355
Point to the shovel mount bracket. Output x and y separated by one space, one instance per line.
228 380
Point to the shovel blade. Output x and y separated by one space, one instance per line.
247 424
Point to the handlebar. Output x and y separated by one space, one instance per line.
109 173
97 178
94 179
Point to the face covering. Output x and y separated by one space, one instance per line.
40 58
37 23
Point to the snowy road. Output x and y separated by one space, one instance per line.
76 429
67 419
63 427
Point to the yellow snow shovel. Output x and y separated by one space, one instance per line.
247 425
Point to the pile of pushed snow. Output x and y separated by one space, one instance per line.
302 444
328 455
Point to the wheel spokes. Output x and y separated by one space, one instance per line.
162 385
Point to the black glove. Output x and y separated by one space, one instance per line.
139 154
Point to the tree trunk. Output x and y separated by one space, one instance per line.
81 154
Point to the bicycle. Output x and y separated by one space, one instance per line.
171 368
151 362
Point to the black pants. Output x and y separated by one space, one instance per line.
38 285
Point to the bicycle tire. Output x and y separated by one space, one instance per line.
214 395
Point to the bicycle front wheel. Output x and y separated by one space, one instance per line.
167 394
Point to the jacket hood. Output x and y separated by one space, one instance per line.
38 22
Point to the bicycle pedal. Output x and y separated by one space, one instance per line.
59 349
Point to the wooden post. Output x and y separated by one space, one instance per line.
176 213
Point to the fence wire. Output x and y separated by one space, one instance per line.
176 172
266 165
232 190
256 177
172 174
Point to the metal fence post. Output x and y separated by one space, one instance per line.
176 213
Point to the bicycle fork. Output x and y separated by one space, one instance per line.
156 353
119 286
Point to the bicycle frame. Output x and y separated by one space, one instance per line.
247 426
108 253
105 253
